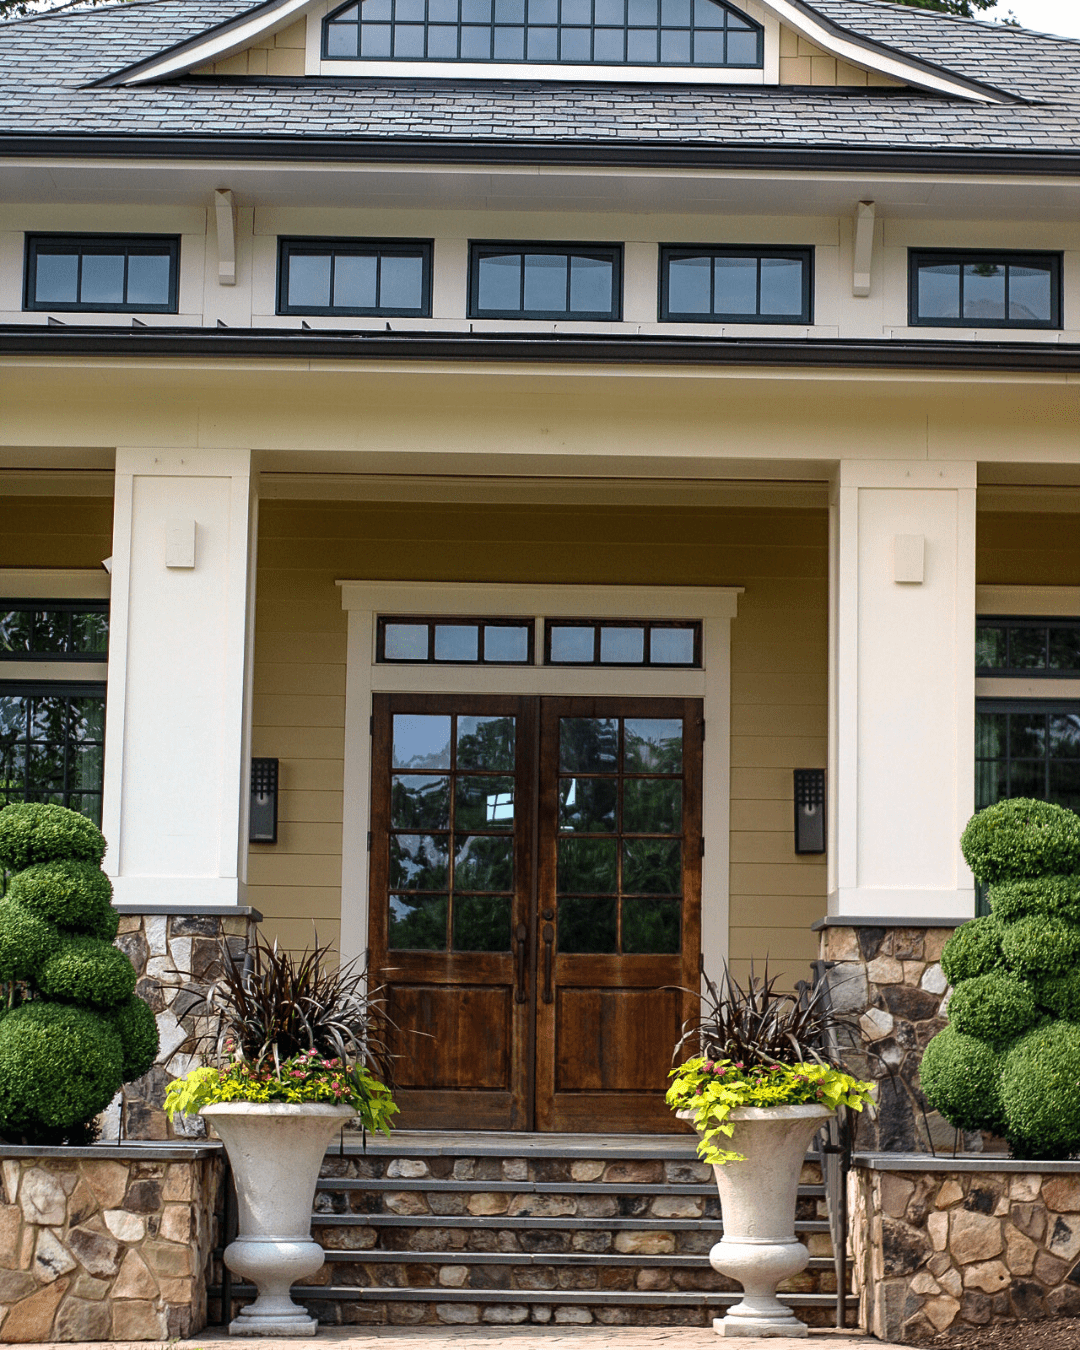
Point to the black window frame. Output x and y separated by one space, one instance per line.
353 246
100 243
559 26
647 625
923 257
1021 622
68 606
433 621
69 689
479 248
805 253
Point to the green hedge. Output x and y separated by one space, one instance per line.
37 832
995 1008
961 1077
1058 896
1039 945
974 949
59 1067
71 894
1021 837
135 1025
72 1030
1040 1092
87 970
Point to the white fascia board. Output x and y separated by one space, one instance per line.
216 45
871 55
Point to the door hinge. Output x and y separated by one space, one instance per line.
369 841
703 730
371 725
703 846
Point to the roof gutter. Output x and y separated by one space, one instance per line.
356 150
36 340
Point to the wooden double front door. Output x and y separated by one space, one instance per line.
535 905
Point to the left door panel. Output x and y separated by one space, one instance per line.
453 782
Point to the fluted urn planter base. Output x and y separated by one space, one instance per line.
757 1202
276 1150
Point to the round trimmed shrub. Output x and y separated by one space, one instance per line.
72 1030
26 941
995 1008
59 1067
1021 837
71 894
87 970
1055 895
37 832
1060 995
961 1077
1040 1092
974 949
1041 946
137 1028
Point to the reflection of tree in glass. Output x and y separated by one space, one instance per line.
653 745
417 925
15 629
589 744
481 923
652 806
483 863
485 743
418 862
651 867
420 802
650 926
587 865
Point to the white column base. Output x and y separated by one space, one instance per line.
182 892
858 902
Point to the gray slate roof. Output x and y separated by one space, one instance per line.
48 62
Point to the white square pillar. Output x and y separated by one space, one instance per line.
176 736
901 689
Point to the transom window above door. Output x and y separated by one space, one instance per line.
546 32
636 643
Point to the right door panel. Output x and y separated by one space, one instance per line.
619 907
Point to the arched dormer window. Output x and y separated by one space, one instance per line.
699 33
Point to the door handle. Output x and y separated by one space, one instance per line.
520 952
549 940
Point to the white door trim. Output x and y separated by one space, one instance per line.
714 607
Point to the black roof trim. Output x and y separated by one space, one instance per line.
607 349
360 150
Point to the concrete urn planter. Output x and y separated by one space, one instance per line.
276 1149
757 1199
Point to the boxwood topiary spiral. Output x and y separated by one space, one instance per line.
72 1028
1009 1061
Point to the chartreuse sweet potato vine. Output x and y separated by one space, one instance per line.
302 1079
712 1088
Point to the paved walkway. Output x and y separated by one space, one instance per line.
498 1338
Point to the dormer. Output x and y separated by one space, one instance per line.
703 42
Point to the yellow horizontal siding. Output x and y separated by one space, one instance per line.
1027 549
779 665
55 531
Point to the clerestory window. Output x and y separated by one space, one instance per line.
546 32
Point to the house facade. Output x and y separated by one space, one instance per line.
553 496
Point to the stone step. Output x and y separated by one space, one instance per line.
537 1223
670 1260
379 1185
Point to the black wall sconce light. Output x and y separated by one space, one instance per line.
809 810
262 813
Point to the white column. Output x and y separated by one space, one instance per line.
176 737
902 689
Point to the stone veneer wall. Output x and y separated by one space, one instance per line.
101 1244
177 956
950 1242
889 980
